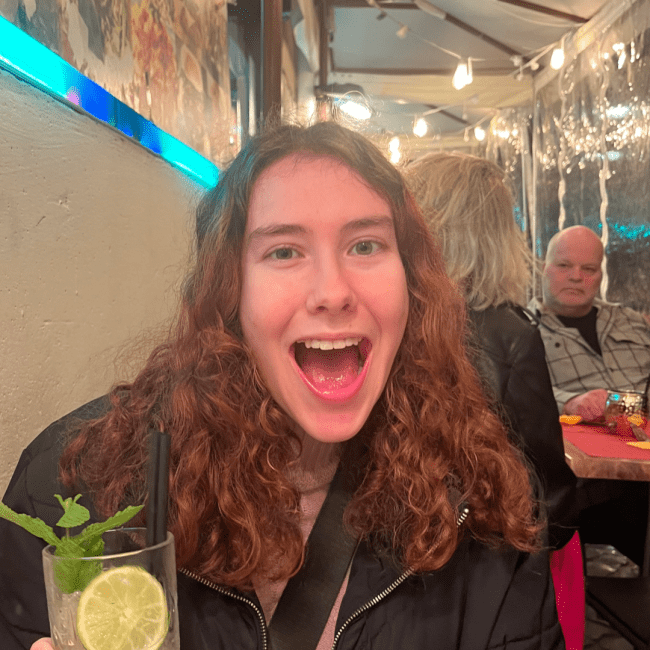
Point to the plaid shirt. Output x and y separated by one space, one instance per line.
575 368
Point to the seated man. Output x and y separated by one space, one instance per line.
592 346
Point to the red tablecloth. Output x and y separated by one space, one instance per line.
598 441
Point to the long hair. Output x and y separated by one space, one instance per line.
233 511
468 205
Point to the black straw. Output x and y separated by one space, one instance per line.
158 487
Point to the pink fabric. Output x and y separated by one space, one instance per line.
598 441
569 582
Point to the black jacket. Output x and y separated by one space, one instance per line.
482 598
512 364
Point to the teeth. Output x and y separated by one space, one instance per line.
339 344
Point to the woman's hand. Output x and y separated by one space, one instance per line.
43 644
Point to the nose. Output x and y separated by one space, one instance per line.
575 274
331 291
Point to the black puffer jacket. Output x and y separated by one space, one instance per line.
481 598
512 364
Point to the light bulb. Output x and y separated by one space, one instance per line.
420 127
395 153
479 133
557 58
461 77
357 111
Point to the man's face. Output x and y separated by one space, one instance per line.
572 274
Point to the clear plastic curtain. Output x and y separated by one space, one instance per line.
589 135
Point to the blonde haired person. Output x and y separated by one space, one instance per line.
484 249
469 207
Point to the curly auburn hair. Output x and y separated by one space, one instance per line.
233 511
469 206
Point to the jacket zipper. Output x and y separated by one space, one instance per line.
371 603
380 596
236 596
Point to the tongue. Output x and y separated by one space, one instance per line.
330 370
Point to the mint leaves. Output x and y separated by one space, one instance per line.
71 574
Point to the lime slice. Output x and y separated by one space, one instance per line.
123 608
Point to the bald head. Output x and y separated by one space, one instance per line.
572 275
575 237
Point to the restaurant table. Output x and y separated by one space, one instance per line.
594 452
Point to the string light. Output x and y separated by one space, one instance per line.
402 31
355 110
557 58
463 75
394 148
420 127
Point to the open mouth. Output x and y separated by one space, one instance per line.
331 365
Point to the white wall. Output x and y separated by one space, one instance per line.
94 235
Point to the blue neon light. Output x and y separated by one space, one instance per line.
25 57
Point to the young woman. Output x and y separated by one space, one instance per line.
316 329
468 205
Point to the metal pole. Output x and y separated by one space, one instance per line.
271 57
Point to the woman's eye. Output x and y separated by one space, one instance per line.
365 248
283 254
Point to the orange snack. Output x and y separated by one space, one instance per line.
570 419
638 419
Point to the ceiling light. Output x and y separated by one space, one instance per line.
557 58
479 133
420 127
463 75
432 10
403 31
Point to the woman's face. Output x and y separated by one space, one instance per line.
324 298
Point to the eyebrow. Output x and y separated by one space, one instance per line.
279 229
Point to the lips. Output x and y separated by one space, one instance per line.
332 369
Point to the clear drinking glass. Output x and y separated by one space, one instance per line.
103 614
623 403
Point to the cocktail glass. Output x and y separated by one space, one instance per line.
129 602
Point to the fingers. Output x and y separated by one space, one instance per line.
42 644
590 406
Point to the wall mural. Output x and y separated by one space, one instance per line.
166 59
590 139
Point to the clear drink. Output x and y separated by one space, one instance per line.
129 602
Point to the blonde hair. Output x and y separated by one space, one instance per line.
469 208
